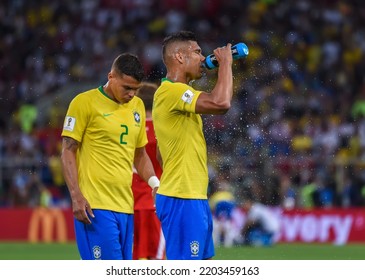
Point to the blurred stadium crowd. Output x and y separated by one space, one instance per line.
295 135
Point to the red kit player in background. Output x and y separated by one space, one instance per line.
148 242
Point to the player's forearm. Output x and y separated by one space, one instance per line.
218 101
145 168
70 174
223 90
69 166
143 164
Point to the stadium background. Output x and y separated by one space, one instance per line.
295 134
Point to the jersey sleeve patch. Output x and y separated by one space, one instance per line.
187 97
69 124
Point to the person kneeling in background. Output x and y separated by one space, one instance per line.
261 224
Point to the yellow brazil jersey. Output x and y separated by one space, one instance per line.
180 138
109 133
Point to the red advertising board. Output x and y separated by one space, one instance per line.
36 225
337 226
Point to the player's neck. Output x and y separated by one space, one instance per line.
108 92
177 77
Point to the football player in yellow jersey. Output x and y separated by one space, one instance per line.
104 135
181 200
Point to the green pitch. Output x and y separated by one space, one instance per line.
27 251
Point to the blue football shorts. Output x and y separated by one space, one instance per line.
108 237
187 226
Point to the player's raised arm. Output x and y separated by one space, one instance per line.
218 101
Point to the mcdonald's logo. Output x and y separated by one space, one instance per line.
46 223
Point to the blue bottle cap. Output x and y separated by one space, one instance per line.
242 50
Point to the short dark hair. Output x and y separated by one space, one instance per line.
130 65
181 36
146 93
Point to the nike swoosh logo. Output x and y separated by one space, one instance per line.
107 114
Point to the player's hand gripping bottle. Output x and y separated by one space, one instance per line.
239 50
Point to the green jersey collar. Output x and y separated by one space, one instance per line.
166 79
103 92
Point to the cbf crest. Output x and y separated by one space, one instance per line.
194 248
97 252
137 117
